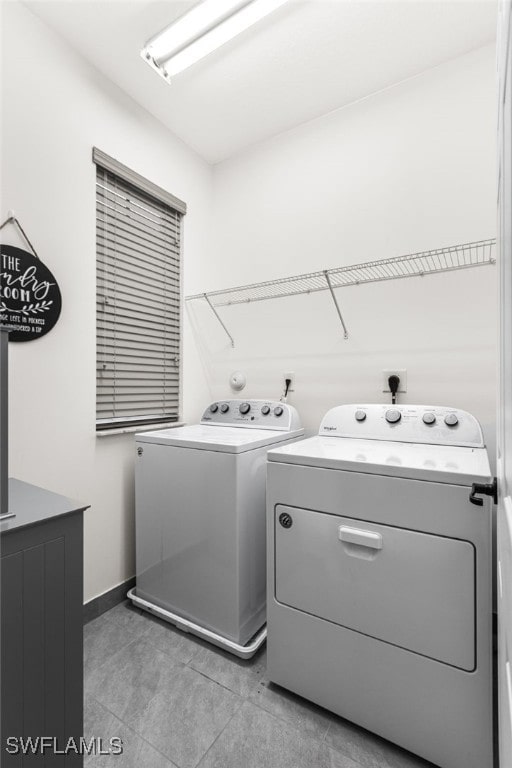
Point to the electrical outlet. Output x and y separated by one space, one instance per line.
401 373
289 376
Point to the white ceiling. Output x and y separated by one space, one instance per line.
306 59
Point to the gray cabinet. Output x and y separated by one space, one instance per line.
41 624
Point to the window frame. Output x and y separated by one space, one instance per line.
146 188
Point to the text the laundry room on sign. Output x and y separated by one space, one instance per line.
30 298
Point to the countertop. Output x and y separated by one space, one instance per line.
32 505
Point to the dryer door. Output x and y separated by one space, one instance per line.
411 589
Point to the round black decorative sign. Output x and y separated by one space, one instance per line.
30 298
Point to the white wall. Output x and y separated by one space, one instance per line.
408 169
55 108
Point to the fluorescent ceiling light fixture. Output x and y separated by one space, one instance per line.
206 27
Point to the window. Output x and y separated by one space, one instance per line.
138 328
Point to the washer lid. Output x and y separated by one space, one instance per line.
216 438
434 463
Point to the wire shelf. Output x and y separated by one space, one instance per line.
476 254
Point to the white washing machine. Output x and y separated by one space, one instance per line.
379 603
200 520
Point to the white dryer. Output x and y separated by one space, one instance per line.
200 520
379 602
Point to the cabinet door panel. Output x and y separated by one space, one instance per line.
33 643
42 638
11 579
54 637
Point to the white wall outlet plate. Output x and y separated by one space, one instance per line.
237 380
401 373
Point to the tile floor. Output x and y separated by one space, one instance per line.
177 702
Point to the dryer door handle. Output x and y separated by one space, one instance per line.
360 537
487 489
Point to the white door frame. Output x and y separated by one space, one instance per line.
504 518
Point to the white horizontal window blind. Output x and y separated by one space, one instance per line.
138 303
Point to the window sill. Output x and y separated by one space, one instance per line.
142 428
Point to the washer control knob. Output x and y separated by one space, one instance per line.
393 416
360 415
278 410
429 418
245 408
265 410
451 419
214 408
224 408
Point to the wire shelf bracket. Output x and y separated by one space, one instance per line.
338 310
479 253
219 318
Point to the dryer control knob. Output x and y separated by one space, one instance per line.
360 415
429 418
451 419
265 410
214 408
245 408
224 408
278 411
393 416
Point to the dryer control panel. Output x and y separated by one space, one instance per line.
434 424
259 414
